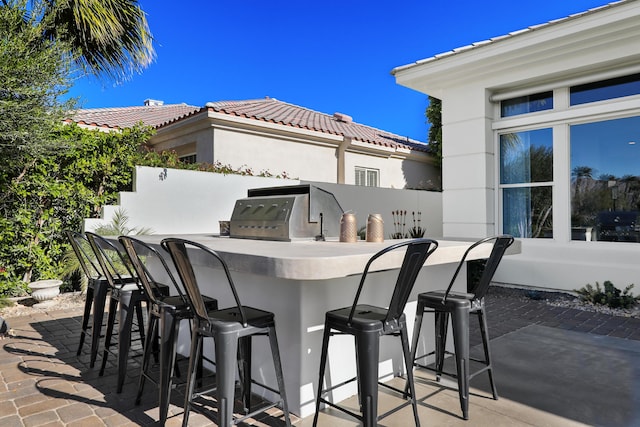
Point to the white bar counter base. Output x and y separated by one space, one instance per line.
300 281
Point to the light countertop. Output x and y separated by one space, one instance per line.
311 260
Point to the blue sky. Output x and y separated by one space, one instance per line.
328 56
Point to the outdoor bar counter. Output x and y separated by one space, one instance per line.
299 281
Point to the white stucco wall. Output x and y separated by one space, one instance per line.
183 201
300 153
368 200
186 202
393 172
298 159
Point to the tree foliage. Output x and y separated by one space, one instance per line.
33 76
63 187
53 176
58 192
434 138
106 37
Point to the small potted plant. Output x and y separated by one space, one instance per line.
417 230
399 224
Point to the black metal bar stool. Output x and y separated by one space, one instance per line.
232 330
127 299
367 324
167 311
458 306
96 294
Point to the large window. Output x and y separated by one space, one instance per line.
367 177
605 180
526 179
571 171
605 89
526 104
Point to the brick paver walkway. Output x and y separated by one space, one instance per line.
509 310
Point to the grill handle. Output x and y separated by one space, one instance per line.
321 237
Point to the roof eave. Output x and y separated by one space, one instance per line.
522 49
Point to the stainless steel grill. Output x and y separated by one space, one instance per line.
298 212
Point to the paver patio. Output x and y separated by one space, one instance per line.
44 383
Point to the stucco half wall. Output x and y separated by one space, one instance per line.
173 201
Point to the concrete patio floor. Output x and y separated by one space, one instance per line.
44 383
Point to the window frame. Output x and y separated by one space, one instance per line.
366 171
193 156
530 184
560 118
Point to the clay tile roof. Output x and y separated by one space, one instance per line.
124 117
268 110
275 111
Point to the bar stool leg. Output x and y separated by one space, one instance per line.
417 327
113 310
460 321
323 362
137 304
126 312
226 354
196 348
85 317
244 369
487 351
152 326
367 353
441 323
408 363
100 292
169 325
277 363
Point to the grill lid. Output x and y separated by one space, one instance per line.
286 213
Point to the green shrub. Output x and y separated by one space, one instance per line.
610 296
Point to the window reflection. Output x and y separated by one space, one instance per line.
605 180
526 104
526 177
605 89
526 156
527 212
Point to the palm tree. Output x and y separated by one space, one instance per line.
107 38
110 37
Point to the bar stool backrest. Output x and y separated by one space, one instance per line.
141 254
500 246
86 259
114 263
178 248
417 252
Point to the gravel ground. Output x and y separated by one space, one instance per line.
559 299
70 300
26 306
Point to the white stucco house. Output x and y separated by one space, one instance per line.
268 135
541 139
